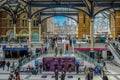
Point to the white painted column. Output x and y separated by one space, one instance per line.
39 32
92 38
29 24
92 34
64 47
14 25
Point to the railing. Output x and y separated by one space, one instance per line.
28 59
116 54
114 47
88 59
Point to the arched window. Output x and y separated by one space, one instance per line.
35 36
11 35
23 19
24 32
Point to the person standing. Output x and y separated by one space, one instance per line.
47 66
13 66
105 77
70 41
56 74
61 51
55 66
88 76
40 67
8 65
56 51
67 46
46 50
3 64
79 78
11 77
17 77
77 68
63 76
62 65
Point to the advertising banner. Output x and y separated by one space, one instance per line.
59 64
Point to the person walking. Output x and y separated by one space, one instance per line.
8 65
104 65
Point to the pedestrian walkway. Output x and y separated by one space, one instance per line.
113 71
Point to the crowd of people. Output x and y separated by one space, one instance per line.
52 43
14 72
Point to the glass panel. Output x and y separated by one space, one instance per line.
11 35
35 37
25 23
22 23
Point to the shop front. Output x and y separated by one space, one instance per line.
9 52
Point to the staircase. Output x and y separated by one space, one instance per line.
88 59
28 59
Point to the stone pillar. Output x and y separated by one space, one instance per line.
92 37
14 25
29 24
39 32
83 25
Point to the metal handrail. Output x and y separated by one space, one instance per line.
113 47
87 58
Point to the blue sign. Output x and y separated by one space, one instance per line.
14 49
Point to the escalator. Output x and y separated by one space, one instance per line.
115 52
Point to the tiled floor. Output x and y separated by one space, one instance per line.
113 73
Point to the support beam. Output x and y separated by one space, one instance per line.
39 31
29 24
55 5
92 37
14 26
47 14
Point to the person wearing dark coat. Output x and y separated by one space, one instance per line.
63 76
105 77
56 74
88 76
3 64
8 65
77 68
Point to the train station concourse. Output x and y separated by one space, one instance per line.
59 39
